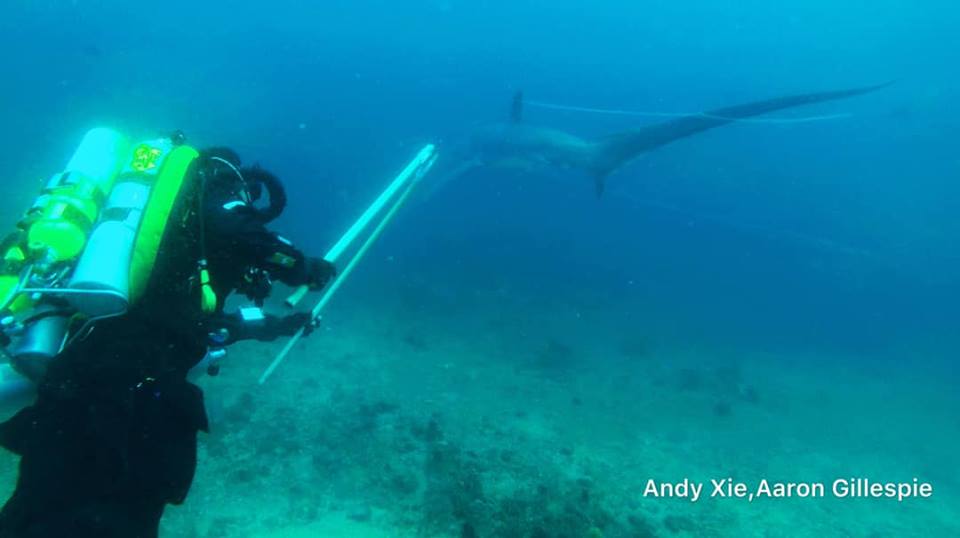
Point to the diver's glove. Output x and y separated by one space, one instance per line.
319 273
231 328
274 327
290 324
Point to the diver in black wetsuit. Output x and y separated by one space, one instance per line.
111 438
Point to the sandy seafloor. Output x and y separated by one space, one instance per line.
502 416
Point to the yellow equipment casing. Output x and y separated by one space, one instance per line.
56 228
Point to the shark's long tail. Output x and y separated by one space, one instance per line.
612 152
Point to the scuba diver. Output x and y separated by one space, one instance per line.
111 437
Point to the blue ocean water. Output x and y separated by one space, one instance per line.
803 248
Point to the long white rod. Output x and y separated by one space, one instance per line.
343 244
427 154
423 166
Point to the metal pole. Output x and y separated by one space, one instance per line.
416 170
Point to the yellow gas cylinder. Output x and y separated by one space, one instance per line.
11 262
55 228
60 220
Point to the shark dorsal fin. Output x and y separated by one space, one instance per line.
516 109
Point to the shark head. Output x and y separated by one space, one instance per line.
526 146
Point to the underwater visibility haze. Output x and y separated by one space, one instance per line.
766 292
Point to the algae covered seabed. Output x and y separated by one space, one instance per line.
492 415
503 417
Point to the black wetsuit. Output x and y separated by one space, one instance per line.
111 437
